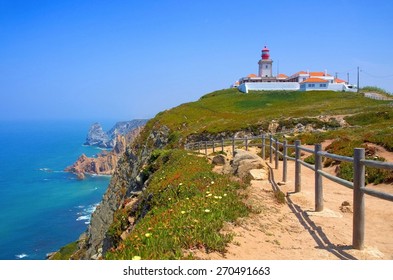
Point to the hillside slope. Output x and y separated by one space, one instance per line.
134 193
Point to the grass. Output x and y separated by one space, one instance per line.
375 89
66 252
183 208
185 204
230 110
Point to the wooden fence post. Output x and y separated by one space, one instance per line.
271 148
284 162
276 154
358 199
213 147
246 140
206 148
298 182
318 179
263 146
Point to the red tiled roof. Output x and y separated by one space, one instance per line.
315 80
320 74
339 81
252 76
282 76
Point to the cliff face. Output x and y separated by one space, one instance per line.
105 162
126 181
98 137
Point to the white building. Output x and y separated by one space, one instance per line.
302 80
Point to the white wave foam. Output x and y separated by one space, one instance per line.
86 212
45 169
81 218
21 256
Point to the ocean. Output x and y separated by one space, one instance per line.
43 208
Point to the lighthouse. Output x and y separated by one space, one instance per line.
265 64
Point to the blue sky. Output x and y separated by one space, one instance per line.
119 60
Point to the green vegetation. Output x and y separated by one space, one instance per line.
66 252
230 110
375 89
184 207
185 204
345 146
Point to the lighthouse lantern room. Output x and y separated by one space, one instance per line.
265 64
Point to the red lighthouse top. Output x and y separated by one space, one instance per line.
265 53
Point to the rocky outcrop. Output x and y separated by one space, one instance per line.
288 126
126 181
98 137
105 162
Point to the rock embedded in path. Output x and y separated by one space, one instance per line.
259 174
245 161
346 207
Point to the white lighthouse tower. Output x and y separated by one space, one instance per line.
265 64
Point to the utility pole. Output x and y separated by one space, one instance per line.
348 78
358 80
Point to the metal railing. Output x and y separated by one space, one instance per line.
358 161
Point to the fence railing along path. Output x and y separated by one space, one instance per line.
276 149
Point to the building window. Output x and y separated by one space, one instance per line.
267 66
322 85
311 85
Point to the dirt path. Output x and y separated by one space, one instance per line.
294 231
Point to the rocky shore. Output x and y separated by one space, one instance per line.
105 162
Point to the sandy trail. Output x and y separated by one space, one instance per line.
293 231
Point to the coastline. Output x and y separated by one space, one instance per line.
43 207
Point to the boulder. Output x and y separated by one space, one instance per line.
273 126
218 160
245 161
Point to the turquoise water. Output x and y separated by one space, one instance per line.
41 207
